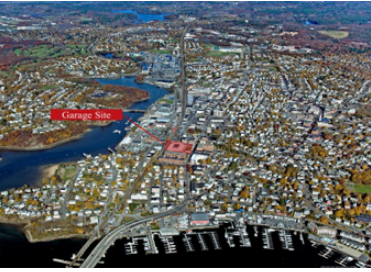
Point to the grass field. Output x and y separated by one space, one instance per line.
132 206
362 189
41 51
69 173
167 101
335 34
220 54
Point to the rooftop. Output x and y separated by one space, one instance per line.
178 147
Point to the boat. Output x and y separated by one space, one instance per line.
86 155
117 131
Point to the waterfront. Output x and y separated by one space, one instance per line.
13 246
25 167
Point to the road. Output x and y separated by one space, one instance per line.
110 238
182 76
91 258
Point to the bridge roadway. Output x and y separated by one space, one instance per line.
135 110
97 253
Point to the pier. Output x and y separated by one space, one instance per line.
151 242
169 245
68 263
131 248
327 253
111 150
286 240
188 244
202 242
244 238
214 240
229 238
267 239
342 260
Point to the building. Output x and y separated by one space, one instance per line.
363 218
178 147
199 219
175 153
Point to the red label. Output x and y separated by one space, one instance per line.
85 115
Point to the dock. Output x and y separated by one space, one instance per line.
267 240
229 238
111 150
188 244
68 263
244 238
131 248
286 240
326 253
169 244
151 243
342 260
202 242
215 240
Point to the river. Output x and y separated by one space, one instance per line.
143 17
25 167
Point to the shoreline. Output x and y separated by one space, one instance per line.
77 137
24 227
30 238
48 171
38 148
45 147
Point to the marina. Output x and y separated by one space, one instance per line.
202 242
131 248
215 240
228 236
188 243
326 253
286 240
169 244
116 255
267 239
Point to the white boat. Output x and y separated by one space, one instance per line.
117 131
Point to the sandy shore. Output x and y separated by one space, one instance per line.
49 170
29 237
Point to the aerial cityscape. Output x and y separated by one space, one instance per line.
217 134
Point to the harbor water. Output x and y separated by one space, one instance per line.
25 167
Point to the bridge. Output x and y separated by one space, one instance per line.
135 110
102 247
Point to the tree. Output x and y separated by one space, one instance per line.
324 219
366 199
339 213
244 194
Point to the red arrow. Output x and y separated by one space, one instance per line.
143 129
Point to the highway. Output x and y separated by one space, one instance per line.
105 243
94 257
182 76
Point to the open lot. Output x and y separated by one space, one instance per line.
335 34
362 188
